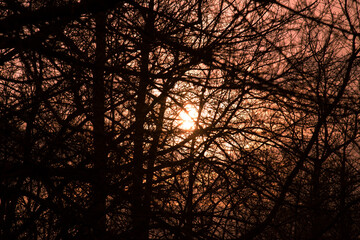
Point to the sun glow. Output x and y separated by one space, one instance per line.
188 117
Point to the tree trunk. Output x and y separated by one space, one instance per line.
345 223
315 200
98 208
139 209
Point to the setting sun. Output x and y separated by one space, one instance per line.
188 117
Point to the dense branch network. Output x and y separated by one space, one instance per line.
196 119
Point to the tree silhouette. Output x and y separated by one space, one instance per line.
92 106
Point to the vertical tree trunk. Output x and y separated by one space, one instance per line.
189 205
344 220
189 215
315 196
315 201
139 211
151 162
98 209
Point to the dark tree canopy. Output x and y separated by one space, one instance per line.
193 119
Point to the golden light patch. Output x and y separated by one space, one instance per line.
188 117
